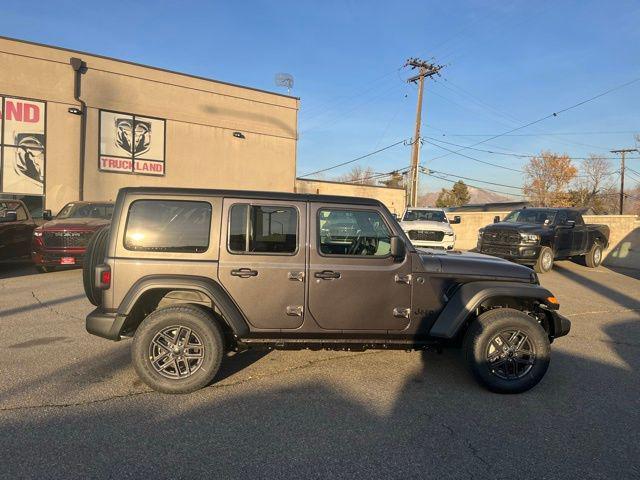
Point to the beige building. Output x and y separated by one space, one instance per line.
141 126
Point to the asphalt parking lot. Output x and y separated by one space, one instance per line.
71 405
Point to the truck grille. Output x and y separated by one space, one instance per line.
426 235
502 237
64 239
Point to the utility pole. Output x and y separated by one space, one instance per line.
622 152
425 69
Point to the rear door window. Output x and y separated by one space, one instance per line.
263 229
168 226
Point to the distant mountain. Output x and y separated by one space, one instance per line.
477 196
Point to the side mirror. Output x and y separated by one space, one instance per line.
9 216
455 220
46 215
398 248
496 219
395 216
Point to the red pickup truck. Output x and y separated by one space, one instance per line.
62 240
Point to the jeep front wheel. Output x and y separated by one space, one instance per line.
506 350
177 349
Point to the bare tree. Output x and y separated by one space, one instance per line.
594 186
359 175
547 179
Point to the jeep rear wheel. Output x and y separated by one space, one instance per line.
178 349
506 350
94 255
545 260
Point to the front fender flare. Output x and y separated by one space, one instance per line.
470 295
230 311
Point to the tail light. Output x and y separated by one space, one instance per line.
103 277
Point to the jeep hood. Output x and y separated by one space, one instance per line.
426 225
456 263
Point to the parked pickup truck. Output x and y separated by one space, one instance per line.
62 240
538 236
16 227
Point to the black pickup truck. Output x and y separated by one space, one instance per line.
538 236
16 229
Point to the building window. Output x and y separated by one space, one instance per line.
168 226
131 144
263 229
22 153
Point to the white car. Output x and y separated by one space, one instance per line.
429 227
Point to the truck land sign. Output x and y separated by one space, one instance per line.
131 144
22 153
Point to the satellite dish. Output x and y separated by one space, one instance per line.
284 80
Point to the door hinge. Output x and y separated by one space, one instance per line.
297 276
400 312
406 279
294 310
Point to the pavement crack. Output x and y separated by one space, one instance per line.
51 309
303 366
469 446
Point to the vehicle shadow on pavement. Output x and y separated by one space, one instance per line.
579 422
41 304
600 288
17 268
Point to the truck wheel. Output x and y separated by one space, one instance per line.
93 256
506 350
594 257
177 349
545 261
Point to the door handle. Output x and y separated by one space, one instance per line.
327 274
244 273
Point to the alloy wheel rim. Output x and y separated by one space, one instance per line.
510 355
176 352
546 260
597 255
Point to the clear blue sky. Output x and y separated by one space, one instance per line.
507 63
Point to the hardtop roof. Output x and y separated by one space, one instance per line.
251 194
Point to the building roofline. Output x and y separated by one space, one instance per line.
143 65
346 183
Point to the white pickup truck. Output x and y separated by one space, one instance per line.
429 227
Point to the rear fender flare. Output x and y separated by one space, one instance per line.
214 291
471 295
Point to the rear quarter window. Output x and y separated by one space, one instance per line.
168 226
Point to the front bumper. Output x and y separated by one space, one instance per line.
105 324
54 258
525 254
560 325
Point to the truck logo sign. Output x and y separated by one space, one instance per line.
133 136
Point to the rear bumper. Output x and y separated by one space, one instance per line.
105 324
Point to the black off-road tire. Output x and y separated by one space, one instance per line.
503 322
94 256
544 263
593 258
203 326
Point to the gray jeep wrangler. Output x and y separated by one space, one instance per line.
191 273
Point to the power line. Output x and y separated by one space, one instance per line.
479 188
429 170
520 155
542 134
470 158
404 141
551 115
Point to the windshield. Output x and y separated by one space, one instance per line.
87 210
424 215
532 216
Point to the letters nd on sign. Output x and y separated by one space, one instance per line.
23 147
131 144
